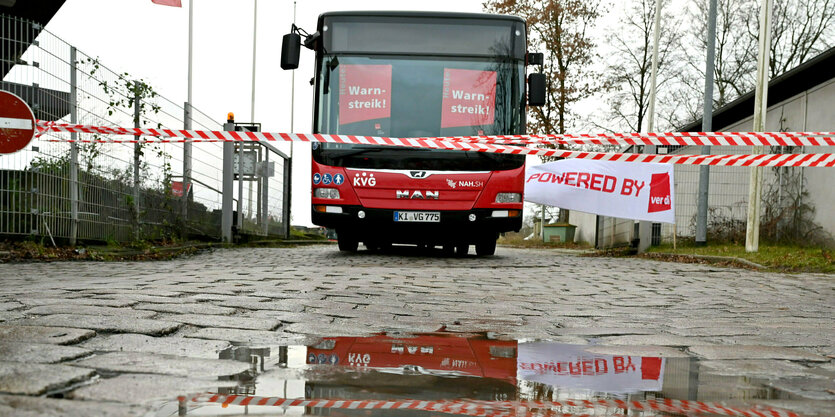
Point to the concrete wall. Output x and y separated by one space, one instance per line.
586 225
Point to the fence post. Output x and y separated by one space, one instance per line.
755 185
264 218
707 126
186 167
73 152
288 187
645 227
228 185
137 153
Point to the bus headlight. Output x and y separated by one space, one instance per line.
331 193
508 198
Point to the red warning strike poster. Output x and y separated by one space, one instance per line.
364 93
469 98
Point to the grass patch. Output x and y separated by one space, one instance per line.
786 258
133 251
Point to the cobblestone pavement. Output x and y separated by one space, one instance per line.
72 331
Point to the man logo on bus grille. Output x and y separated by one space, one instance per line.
418 195
418 174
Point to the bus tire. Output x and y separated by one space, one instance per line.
485 247
462 249
346 242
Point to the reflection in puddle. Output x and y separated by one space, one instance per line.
471 374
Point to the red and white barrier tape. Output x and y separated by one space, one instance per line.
501 408
482 144
660 139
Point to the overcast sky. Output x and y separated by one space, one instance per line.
150 42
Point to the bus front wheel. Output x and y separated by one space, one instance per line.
485 247
346 242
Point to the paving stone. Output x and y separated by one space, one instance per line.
343 328
600 331
754 352
650 351
811 388
807 408
653 339
89 310
109 324
145 389
39 353
715 331
76 301
24 406
139 362
37 379
138 297
288 317
248 336
186 308
6 316
765 368
44 334
9 305
128 342
232 322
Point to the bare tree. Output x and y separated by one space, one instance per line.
800 30
736 50
630 64
561 28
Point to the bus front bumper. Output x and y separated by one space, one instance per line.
380 224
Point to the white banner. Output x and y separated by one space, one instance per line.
570 366
640 191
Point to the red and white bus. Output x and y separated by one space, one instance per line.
417 74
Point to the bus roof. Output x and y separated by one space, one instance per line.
442 15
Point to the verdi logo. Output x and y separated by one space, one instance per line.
659 193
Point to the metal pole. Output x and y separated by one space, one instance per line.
752 230
240 206
645 227
228 185
292 90
254 39
137 154
190 39
654 74
187 122
187 167
265 189
288 162
288 181
707 126
73 151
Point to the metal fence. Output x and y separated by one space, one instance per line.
794 205
119 192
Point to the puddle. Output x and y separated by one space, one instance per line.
434 374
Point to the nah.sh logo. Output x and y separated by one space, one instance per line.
659 193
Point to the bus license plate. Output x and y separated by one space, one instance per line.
417 216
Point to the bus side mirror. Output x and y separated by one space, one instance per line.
290 48
536 89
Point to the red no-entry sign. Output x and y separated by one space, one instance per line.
17 123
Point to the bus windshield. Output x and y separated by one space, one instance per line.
419 97
419 77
